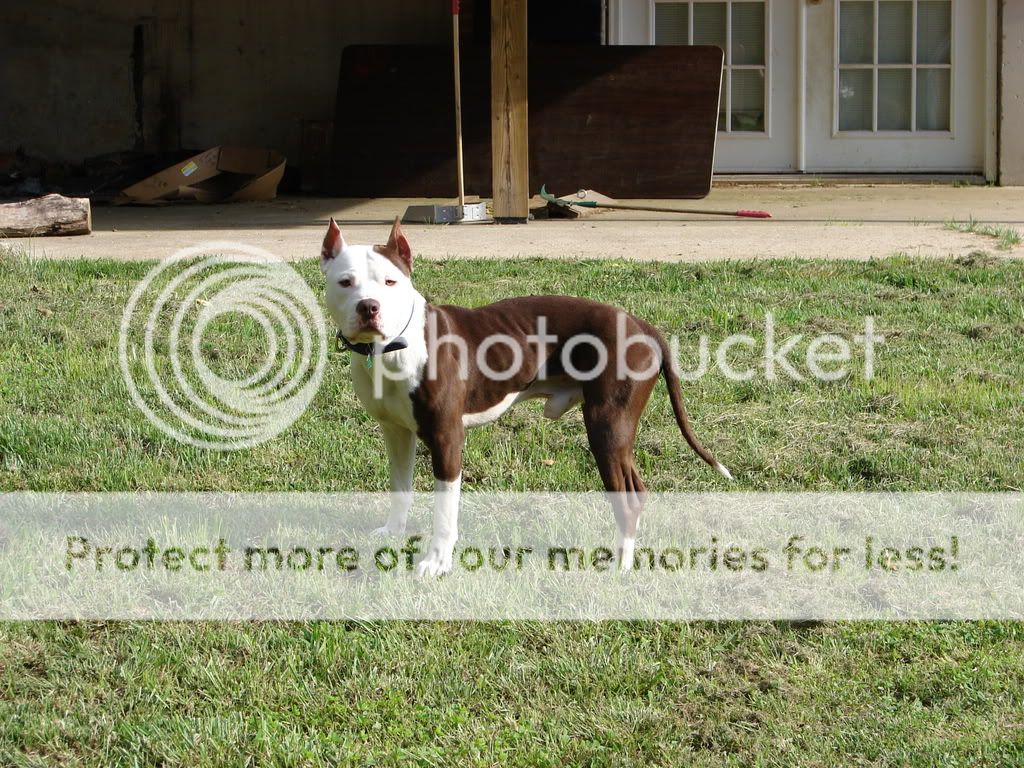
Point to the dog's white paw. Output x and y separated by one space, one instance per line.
627 547
389 532
437 562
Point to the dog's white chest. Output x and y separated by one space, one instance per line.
386 399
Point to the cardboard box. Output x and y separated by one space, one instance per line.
218 175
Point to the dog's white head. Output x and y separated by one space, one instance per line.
369 292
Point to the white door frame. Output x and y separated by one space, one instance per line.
991 90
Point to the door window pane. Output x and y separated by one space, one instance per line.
709 24
895 32
671 24
879 71
894 99
856 99
933 32
748 33
856 33
747 100
933 99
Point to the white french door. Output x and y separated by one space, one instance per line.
896 85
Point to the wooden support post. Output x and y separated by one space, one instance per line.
509 112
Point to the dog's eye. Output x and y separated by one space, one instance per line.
345 282
389 281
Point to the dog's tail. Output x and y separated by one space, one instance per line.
675 395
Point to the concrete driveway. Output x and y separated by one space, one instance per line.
832 222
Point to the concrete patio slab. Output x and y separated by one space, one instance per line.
832 222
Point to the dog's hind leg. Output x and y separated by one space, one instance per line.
611 433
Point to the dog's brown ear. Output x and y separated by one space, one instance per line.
334 244
397 244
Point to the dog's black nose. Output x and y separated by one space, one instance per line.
368 308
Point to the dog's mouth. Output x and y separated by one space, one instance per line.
366 331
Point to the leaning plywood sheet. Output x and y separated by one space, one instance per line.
632 121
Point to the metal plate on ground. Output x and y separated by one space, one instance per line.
445 214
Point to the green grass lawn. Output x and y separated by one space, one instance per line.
945 411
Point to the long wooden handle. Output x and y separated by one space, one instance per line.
622 207
595 204
458 105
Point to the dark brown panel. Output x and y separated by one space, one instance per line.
630 121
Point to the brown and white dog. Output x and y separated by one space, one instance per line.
434 371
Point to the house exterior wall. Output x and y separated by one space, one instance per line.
1011 123
65 75
82 78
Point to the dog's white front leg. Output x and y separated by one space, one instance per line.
446 445
401 447
625 548
438 558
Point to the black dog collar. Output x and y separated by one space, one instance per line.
369 350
